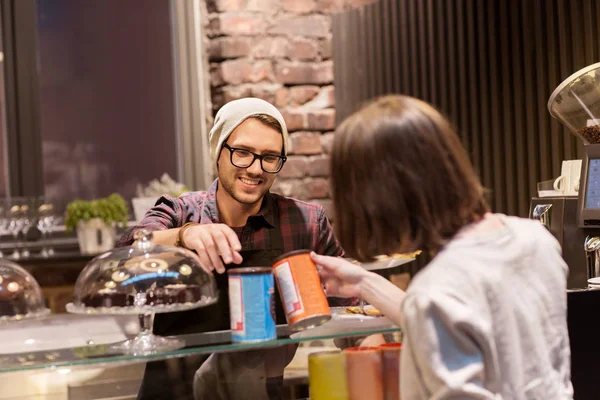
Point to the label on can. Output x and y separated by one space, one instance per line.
289 290
251 305
236 305
300 289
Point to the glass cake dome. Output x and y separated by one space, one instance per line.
20 294
144 279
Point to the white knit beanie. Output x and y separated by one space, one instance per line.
232 114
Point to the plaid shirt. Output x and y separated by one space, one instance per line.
303 225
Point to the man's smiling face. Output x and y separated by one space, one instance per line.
249 185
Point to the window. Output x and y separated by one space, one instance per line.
106 96
103 95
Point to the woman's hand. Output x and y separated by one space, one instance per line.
343 279
340 277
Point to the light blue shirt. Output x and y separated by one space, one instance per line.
487 319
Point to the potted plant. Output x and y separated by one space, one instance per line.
95 222
147 196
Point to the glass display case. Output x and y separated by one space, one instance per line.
104 347
73 357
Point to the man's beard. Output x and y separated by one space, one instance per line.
230 189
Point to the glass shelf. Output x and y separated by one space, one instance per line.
196 344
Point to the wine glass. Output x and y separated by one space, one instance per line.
58 218
4 205
15 224
29 216
46 221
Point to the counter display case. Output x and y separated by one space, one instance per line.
79 351
104 347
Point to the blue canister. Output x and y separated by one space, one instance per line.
252 304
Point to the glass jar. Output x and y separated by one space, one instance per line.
576 104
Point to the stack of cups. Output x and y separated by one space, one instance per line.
357 373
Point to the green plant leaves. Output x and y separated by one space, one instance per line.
110 209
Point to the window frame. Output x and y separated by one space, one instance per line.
23 119
23 134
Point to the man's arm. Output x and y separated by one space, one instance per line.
163 219
214 244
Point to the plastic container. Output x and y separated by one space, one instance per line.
390 357
576 104
365 373
327 378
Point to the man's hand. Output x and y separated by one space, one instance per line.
215 244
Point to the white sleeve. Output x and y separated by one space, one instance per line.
443 349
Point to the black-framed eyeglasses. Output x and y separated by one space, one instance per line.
242 158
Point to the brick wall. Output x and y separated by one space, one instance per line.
280 51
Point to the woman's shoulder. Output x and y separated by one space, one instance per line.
474 267
448 274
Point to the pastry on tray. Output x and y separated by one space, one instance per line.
367 310
395 255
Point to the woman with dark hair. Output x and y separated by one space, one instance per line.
486 318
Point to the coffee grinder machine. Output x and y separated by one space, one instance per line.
573 216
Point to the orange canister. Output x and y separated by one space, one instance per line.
390 358
364 373
299 285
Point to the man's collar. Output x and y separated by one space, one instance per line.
267 210
210 211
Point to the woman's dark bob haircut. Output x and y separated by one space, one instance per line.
401 180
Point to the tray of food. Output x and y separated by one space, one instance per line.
387 262
345 319
359 312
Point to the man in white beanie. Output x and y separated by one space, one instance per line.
236 221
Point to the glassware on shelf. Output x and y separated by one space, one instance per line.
144 279
47 220
15 224
29 215
58 218
20 294
4 219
